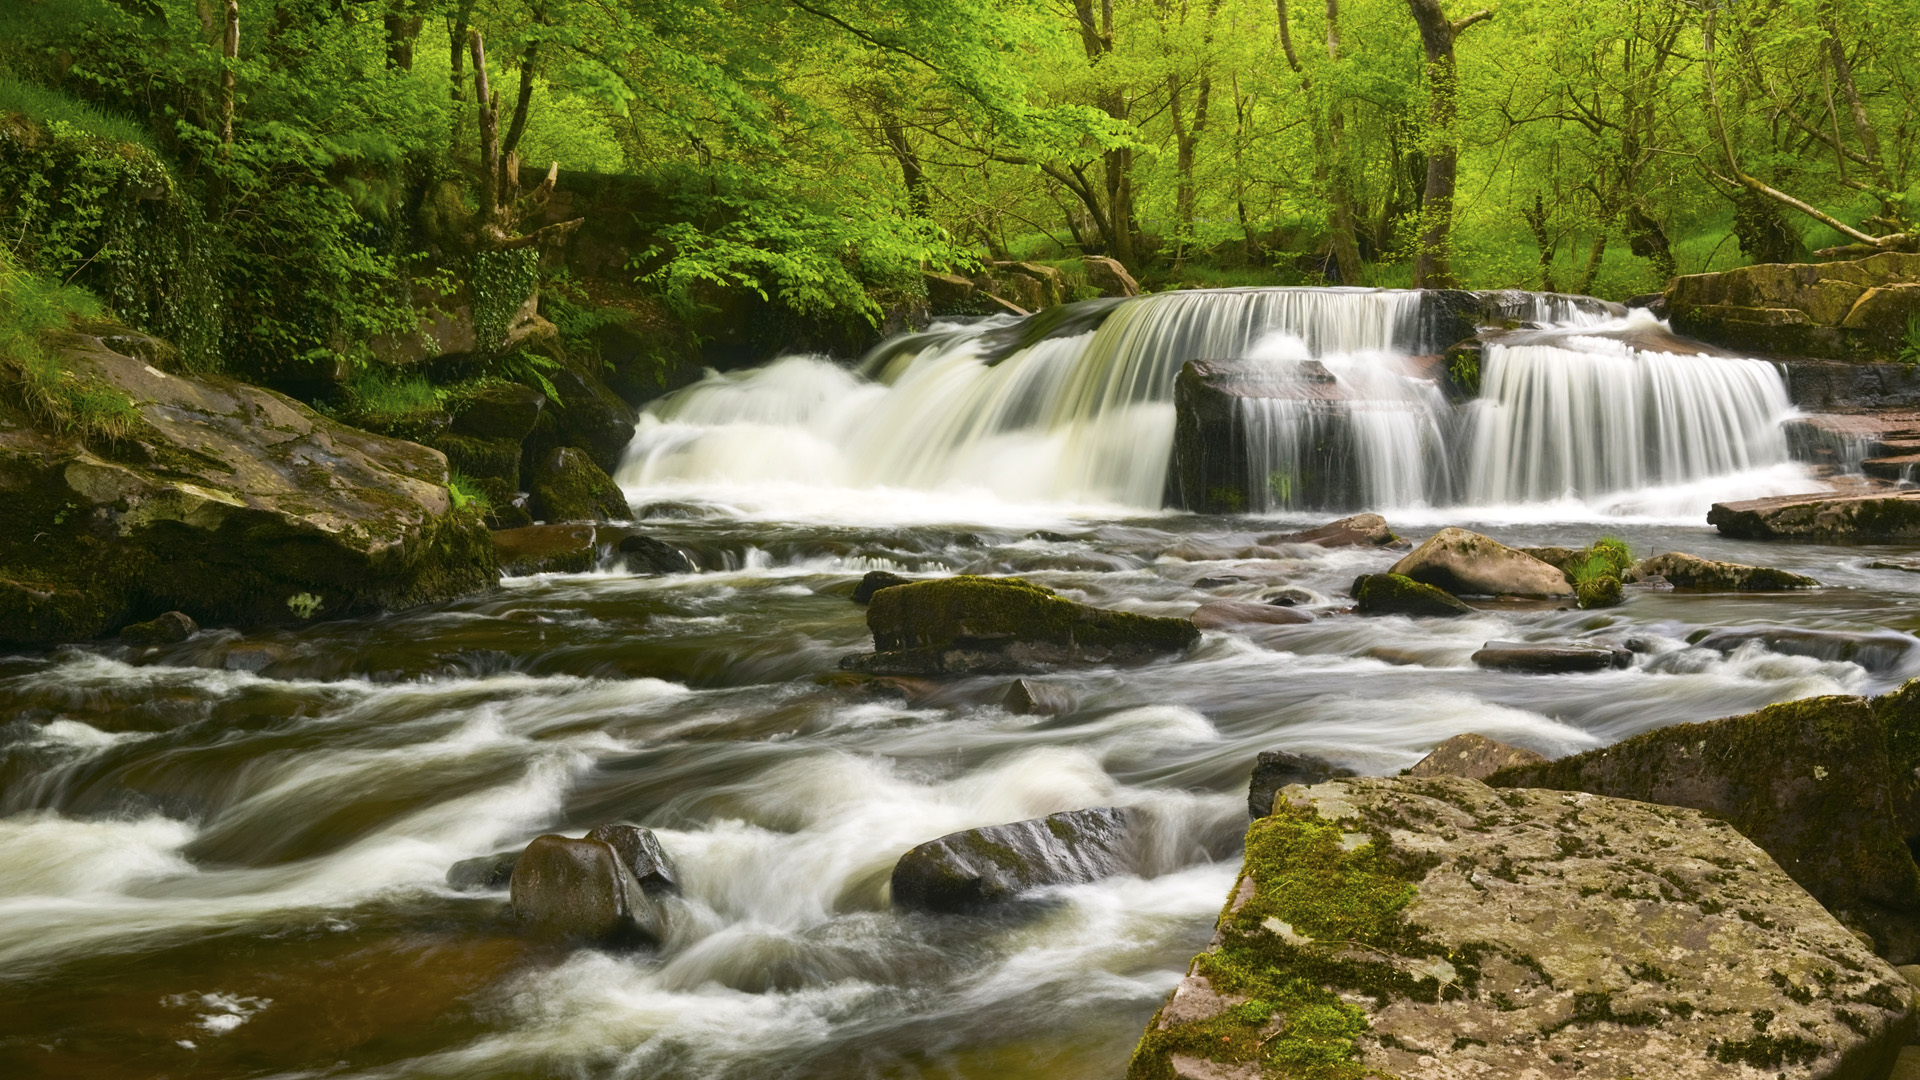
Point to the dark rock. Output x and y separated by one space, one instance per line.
1224 613
1396 594
980 868
1653 302
966 624
486 872
948 294
1466 563
505 411
546 549
1222 581
568 486
1360 530
1027 697
1839 384
642 554
1473 757
1109 276
168 629
1883 518
874 581
640 850
1276 769
1693 572
1806 780
1550 659
1447 931
1879 652
1289 596
585 414
1209 471
582 889
1066 320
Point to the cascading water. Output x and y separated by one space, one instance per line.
1571 410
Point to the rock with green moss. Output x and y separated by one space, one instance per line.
1437 928
227 502
1685 571
1396 594
546 549
1809 781
1890 517
1599 592
568 486
1850 310
1469 564
167 628
976 869
967 624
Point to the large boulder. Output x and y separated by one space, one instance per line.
568 486
1685 571
1396 594
1467 564
501 410
1473 757
1210 470
1853 310
1359 530
582 889
1109 276
641 853
226 502
1436 928
968 624
1809 781
1892 517
1276 769
979 868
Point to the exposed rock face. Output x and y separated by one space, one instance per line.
568 486
640 851
1694 572
1109 276
979 868
1360 530
1879 652
1396 594
1276 769
169 628
1854 310
1436 928
1550 659
1806 780
1468 564
1209 471
582 889
1030 697
1224 613
1863 518
874 581
975 624
1473 757
587 415
226 502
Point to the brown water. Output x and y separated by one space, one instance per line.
227 858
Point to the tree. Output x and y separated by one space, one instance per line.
1433 267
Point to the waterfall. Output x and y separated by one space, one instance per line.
1000 410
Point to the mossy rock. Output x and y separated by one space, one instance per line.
1685 571
1397 594
568 486
1603 591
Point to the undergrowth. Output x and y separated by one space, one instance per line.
48 107
31 308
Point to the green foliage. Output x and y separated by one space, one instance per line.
501 282
381 397
1909 353
31 309
467 495
66 116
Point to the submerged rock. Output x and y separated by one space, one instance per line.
485 872
1880 651
546 549
1692 572
874 581
582 889
977 624
1807 780
642 554
1468 564
1396 594
1891 518
1360 530
567 486
1218 614
1030 697
979 868
1276 769
640 850
1473 757
170 628
1551 659
227 502
1436 928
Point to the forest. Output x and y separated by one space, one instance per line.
318 156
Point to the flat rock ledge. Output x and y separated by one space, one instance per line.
1864 518
1440 929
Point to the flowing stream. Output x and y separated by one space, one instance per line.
227 857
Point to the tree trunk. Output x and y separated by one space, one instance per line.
461 19
1433 265
911 173
1118 227
403 28
1537 223
230 52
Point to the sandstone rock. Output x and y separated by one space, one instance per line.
874 581
1466 563
1219 614
1807 780
968 624
1029 697
1550 659
485 872
226 502
1276 769
1472 757
980 868
582 889
546 549
1890 518
1435 928
1360 530
1109 276
1850 310
1395 594
640 851
169 628
568 486
1692 572
947 294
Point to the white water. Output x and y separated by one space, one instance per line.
1085 424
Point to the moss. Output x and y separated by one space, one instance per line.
972 611
1604 591
1396 594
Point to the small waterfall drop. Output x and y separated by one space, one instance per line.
998 410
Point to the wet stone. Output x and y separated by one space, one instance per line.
582 889
1473 757
874 581
168 629
640 850
1469 564
1692 572
1395 594
485 872
976 869
1030 697
1224 613
1275 769
1552 659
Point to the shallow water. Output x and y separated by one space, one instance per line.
227 858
